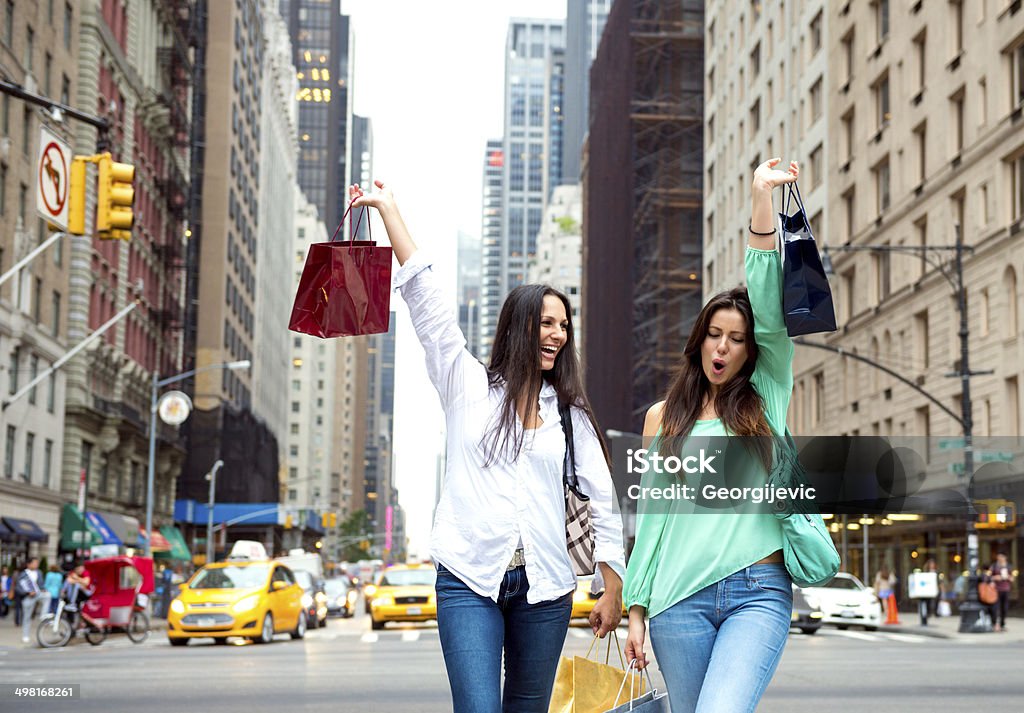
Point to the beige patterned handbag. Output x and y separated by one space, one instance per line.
579 534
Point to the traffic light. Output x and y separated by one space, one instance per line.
333 519
76 197
288 523
114 217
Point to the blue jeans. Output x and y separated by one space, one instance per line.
719 648
475 630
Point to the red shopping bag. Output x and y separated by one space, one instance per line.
345 288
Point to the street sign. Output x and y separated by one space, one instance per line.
993 457
948 444
53 178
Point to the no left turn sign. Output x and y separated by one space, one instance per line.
52 178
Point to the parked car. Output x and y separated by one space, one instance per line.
404 592
341 597
845 601
250 598
806 618
314 598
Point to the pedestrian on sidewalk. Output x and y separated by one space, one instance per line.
1002 575
884 582
926 606
5 592
504 577
30 585
53 582
715 587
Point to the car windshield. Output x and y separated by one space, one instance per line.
305 579
336 587
843 583
231 577
409 577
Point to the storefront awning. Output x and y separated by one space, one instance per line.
5 533
179 550
75 531
106 532
125 527
25 530
160 544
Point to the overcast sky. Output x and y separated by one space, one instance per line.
430 76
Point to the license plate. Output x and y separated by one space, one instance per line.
413 611
848 614
206 621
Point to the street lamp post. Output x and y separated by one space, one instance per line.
212 477
158 384
970 611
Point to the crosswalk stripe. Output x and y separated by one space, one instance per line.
907 638
856 635
410 636
369 638
580 634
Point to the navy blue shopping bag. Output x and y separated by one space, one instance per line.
806 296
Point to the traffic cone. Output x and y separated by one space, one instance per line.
892 615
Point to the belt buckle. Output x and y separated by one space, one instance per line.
518 560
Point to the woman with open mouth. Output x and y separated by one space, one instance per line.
504 577
714 587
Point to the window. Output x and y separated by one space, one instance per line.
848 135
295 429
816 167
37 299
67 25
51 392
33 373
1017 187
956 11
295 406
9 23
819 398
711 129
921 141
881 20
815 101
882 186
65 89
30 48
1012 421
851 217
921 340
30 447
982 102
848 55
1016 77
47 462
1010 290
12 371
47 72
26 134
956 105
55 313
919 54
293 451
12 435
816 34
883 114
755 119
755 61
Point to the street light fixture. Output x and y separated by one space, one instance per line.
158 384
970 612
212 477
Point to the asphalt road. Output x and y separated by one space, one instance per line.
346 667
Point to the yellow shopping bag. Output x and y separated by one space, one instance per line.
585 685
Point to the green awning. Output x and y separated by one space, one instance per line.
179 550
75 532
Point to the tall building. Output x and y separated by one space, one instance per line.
584 23
134 68
378 482
225 425
558 261
533 81
642 188
362 166
277 186
491 294
468 290
40 52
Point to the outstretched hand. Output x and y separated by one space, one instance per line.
381 199
766 176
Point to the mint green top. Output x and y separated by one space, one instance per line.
678 554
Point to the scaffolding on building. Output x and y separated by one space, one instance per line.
666 115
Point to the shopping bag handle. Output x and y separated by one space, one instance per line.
608 651
793 191
351 230
631 674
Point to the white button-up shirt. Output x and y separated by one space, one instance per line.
484 512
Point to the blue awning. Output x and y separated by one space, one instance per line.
25 530
6 535
101 526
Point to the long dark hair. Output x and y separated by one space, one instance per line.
738 404
514 365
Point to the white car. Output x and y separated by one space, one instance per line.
845 601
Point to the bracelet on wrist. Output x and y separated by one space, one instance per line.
751 228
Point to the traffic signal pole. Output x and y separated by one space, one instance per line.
17 91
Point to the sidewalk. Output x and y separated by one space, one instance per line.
10 635
947 627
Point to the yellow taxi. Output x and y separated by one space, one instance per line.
585 597
254 599
404 592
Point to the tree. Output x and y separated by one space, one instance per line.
355 529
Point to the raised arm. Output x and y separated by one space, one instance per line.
762 217
384 201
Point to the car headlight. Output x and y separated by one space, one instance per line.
248 603
307 601
370 590
178 607
353 595
579 596
383 602
321 598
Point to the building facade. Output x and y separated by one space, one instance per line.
491 294
468 290
584 23
558 261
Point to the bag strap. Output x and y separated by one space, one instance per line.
569 464
351 230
